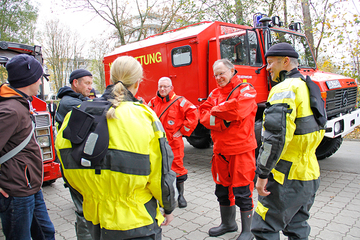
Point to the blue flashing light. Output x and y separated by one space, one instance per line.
258 20
257 17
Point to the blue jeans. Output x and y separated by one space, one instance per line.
24 218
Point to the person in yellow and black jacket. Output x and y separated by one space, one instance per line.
287 168
122 191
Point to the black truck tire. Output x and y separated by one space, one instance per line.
200 137
48 183
200 142
328 147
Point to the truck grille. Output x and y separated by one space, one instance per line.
43 135
340 101
42 120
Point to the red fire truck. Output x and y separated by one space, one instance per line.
187 54
44 128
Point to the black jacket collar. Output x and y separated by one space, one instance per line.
293 73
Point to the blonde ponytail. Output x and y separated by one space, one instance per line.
126 70
119 95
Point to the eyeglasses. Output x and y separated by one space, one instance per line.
220 74
164 86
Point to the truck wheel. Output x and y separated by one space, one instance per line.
328 147
200 142
48 183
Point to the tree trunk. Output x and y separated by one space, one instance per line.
308 24
272 4
285 13
239 12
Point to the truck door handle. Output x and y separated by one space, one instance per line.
172 76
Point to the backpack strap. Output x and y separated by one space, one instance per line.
316 102
169 106
18 148
237 86
227 124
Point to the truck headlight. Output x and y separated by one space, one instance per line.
338 127
44 141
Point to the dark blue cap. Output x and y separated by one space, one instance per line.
23 70
282 50
79 73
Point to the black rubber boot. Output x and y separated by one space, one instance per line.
228 223
246 218
181 200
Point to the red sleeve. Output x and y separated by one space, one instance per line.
238 107
191 115
209 121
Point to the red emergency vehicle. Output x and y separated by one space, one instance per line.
44 128
187 54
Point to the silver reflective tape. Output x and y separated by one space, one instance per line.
90 143
245 88
85 162
182 102
212 120
157 126
265 154
176 190
249 95
282 95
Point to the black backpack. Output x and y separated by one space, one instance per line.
88 132
316 102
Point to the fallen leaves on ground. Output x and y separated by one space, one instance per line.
355 134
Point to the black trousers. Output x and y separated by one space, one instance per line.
285 209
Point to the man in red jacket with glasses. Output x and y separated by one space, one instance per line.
229 112
179 118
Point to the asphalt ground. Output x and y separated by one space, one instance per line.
335 214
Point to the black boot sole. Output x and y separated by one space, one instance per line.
223 232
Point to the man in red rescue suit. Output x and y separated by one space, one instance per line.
179 118
229 112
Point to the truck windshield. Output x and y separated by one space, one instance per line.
300 44
241 48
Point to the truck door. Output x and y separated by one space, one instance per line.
184 69
242 48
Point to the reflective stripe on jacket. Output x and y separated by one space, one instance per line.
240 109
290 134
135 174
181 115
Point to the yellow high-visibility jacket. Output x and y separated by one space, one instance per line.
135 175
290 133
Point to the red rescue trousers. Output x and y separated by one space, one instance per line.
177 146
234 175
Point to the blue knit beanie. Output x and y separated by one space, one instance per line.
281 50
79 73
23 70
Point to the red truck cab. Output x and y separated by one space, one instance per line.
187 54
